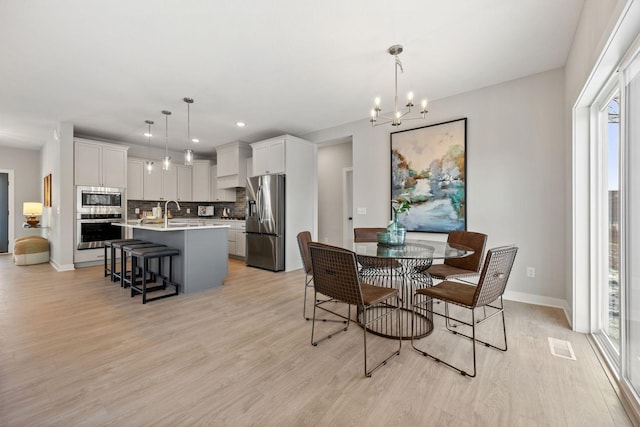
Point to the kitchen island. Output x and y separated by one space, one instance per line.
203 260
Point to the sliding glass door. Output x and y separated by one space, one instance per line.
608 214
630 196
615 169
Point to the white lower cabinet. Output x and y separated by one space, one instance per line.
241 241
236 237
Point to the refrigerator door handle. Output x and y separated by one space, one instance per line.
259 203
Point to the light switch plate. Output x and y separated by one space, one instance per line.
362 211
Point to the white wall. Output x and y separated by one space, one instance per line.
57 159
515 171
27 183
332 158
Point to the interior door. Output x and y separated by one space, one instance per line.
4 212
347 203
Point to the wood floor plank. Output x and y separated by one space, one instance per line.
75 349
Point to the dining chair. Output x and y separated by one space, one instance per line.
461 268
364 234
487 294
304 238
335 274
371 266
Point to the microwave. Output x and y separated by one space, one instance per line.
99 199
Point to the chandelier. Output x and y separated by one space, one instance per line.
402 113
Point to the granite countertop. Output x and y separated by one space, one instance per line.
174 225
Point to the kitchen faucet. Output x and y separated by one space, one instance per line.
166 212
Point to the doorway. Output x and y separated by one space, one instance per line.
347 205
6 209
334 158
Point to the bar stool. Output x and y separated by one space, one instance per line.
144 255
109 268
127 276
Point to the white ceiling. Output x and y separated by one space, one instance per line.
282 66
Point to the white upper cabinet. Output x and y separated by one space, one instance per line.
201 180
184 183
152 184
231 159
100 164
269 157
170 183
135 179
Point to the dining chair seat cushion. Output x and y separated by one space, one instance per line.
375 294
440 271
455 292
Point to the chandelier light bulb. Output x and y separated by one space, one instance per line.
166 163
410 96
377 101
149 166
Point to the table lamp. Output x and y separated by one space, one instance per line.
31 210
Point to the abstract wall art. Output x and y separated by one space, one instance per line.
428 169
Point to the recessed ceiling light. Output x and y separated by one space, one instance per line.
148 135
196 140
241 124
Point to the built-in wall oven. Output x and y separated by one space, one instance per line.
97 208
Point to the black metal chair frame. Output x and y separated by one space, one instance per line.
145 255
354 287
494 277
110 257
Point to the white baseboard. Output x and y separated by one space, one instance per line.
539 300
67 267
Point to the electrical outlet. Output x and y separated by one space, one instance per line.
531 272
362 211
188 210
137 210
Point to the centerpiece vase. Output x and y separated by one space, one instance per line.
397 232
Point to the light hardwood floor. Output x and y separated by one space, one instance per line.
77 350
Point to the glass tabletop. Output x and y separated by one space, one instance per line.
413 249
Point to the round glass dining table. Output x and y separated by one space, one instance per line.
405 268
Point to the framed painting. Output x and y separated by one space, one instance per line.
428 170
47 191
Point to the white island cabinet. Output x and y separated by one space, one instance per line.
203 260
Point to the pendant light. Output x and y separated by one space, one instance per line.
188 153
149 163
166 162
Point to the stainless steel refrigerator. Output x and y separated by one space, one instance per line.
265 222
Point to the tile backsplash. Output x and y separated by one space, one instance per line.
236 210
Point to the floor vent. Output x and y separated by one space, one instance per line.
561 348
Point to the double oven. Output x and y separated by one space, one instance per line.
97 208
